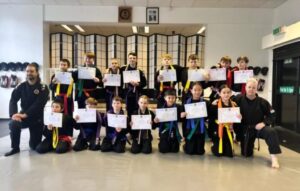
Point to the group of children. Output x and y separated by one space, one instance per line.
194 131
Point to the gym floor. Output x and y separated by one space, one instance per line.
93 170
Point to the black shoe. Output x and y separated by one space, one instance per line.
12 152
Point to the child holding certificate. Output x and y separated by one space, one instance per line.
89 136
63 90
221 133
57 138
187 84
168 130
115 139
194 128
161 85
242 63
112 91
142 138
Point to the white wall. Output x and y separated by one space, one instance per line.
287 14
21 39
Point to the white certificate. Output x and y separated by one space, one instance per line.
218 74
54 119
195 110
241 76
168 75
87 73
131 75
196 75
141 121
166 114
86 115
112 80
117 121
229 115
63 77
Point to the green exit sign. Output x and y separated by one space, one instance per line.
286 89
279 30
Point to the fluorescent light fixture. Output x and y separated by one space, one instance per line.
79 28
201 30
67 28
134 29
146 29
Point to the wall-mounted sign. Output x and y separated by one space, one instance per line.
286 89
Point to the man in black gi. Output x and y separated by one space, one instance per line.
33 95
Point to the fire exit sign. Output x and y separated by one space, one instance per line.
286 89
279 30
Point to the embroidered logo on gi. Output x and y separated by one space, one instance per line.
36 91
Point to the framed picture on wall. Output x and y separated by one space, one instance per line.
152 15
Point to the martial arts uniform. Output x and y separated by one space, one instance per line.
89 136
113 140
131 93
65 93
221 134
194 131
187 85
33 99
169 134
59 138
161 87
254 112
86 88
142 139
112 91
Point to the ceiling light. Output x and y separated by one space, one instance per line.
134 29
146 29
201 30
67 28
79 28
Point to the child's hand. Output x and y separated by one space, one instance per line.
215 102
160 78
239 116
156 120
260 125
96 80
131 123
104 80
76 117
183 114
118 130
134 83
50 127
206 76
54 80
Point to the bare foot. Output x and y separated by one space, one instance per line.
275 163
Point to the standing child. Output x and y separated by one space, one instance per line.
186 84
58 139
142 139
194 129
242 64
168 131
63 91
112 91
89 136
221 133
162 86
115 139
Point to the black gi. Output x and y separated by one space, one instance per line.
214 133
89 136
194 134
63 95
64 134
113 140
86 88
132 94
184 79
142 139
253 112
33 99
166 85
169 134
111 91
